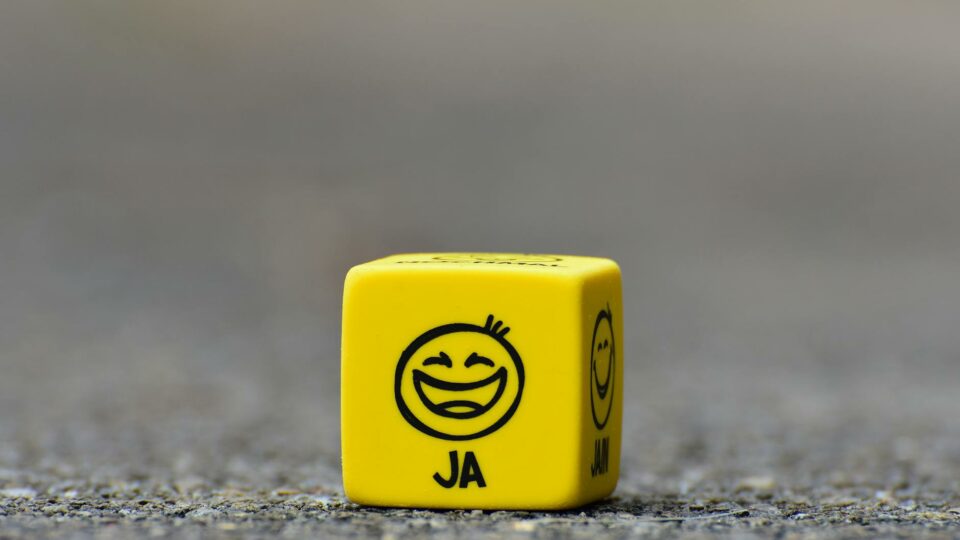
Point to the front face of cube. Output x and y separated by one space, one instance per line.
475 385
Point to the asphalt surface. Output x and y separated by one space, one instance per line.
743 457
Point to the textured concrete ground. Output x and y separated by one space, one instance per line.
746 457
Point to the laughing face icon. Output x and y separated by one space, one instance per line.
603 357
459 381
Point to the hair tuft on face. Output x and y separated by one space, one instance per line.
495 327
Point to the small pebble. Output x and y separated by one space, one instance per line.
18 493
756 483
524 526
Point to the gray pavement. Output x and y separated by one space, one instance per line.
187 461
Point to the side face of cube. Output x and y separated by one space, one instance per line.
602 331
463 386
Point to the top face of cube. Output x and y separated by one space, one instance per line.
557 265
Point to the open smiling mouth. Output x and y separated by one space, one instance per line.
456 407
602 388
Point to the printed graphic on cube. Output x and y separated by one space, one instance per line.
488 381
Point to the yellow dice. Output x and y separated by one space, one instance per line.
490 381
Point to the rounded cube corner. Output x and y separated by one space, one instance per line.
613 267
605 269
356 495
573 495
358 274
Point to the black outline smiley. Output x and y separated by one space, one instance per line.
607 385
443 409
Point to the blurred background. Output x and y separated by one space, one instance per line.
184 184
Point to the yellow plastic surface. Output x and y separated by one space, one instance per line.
489 381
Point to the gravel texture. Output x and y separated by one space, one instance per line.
188 459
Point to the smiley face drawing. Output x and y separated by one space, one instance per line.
459 381
603 357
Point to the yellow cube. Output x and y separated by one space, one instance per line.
490 381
